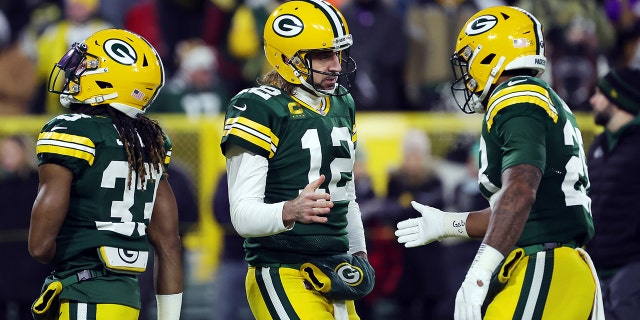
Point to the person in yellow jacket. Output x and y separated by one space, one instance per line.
79 21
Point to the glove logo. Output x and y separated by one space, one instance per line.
349 274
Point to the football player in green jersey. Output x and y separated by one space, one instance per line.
290 146
103 195
532 170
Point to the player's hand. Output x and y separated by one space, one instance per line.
433 225
416 232
475 286
310 206
471 295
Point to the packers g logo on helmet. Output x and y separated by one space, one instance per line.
120 51
480 25
288 25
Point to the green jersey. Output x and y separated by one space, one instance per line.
106 221
527 123
300 144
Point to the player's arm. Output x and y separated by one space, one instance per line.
164 235
355 228
49 211
512 206
510 211
250 216
501 225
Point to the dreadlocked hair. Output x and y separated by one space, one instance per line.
273 78
134 133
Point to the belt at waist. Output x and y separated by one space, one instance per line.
529 250
81 276
276 265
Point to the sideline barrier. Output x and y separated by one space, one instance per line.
196 148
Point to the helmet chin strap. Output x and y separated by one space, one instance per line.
66 99
319 93
476 101
476 104
303 81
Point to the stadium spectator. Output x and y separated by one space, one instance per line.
379 82
195 89
79 21
459 252
578 39
17 80
229 297
419 289
614 192
21 275
430 26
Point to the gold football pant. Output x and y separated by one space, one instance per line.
549 285
72 310
279 293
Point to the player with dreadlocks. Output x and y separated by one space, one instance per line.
134 133
103 195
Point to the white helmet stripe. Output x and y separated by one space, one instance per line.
537 26
334 18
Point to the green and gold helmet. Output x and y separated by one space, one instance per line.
298 27
112 66
495 40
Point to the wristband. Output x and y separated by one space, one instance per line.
487 258
454 224
169 306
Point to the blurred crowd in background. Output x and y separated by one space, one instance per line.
212 49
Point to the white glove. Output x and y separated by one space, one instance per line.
433 225
475 286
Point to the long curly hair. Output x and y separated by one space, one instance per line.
134 133
273 78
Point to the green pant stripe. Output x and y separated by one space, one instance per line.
282 294
535 286
82 311
545 285
264 292
271 289
92 311
526 287
73 310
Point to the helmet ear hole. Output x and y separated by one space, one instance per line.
145 62
104 84
488 59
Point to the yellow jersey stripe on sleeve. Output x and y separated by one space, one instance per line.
252 132
67 145
524 93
